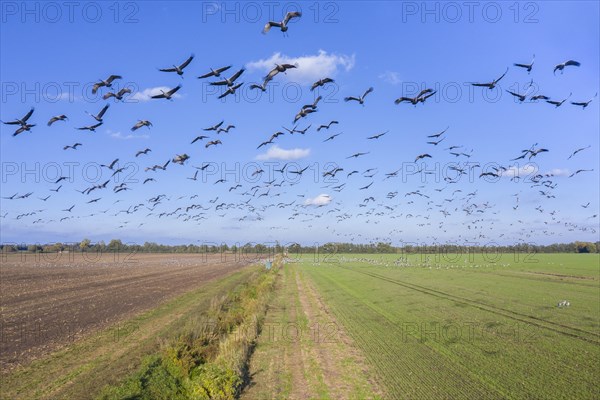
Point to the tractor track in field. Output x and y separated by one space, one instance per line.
321 362
529 319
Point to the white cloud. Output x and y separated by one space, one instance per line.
145 94
320 200
310 67
119 135
390 77
68 97
526 170
559 172
277 153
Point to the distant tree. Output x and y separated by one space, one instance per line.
294 248
85 244
8 248
151 247
115 244
53 248
329 248
585 247
384 247
101 246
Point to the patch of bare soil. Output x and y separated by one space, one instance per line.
49 302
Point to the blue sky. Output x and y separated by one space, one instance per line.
51 55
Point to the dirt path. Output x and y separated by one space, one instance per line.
336 347
303 353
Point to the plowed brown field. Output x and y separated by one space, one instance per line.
48 302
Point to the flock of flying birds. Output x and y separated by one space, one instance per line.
477 215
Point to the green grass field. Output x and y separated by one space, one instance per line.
466 327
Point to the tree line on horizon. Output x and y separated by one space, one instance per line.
116 245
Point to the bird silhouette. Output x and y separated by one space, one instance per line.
283 25
179 68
